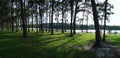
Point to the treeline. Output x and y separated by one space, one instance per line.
67 26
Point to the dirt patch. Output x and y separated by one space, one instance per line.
106 51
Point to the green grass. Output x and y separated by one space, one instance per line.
12 45
115 40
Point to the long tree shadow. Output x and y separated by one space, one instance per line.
39 47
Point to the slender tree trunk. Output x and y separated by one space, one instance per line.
39 22
87 24
57 24
2 26
28 24
7 24
32 22
62 19
24 25
52 18
12 25
86 7
36 18
74 22
82 21
104 39
101 25
40 18
71 4
17 21
17 25
36 23
42 24
21 27
46 23
65 25
12 17
46 20
49 21
97 29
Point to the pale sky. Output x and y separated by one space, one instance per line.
115 19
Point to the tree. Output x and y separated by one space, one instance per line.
24 25
88 5
12 17
41 13
75 13
105 20
107 12
96 23
104 11
62 16
5 14
52 17
71 5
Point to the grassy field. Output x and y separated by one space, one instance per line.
114 39
12 45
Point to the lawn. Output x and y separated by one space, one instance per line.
114 39
12 45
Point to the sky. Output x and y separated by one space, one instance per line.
115 19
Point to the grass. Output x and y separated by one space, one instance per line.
12 45
114 39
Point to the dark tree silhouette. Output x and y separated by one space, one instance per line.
75 13
105 17
52 17
62 16
24 25
71 5
12 19
97 30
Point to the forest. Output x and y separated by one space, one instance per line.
50 29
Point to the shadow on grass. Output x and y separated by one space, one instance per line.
41 46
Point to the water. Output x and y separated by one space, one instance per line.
92 31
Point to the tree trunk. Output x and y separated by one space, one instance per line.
62 19
17 24
42 24
12 19
74 22
24 25
65 26
71 4
104 39
36 18
52 18
7 24
96 23
28 24
49 21
82 21
87 24
32 22
57 22
46 21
